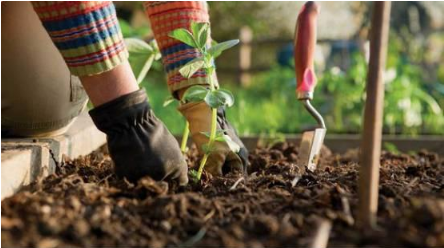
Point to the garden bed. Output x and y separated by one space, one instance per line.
84 204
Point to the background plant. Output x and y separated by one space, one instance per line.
414 90
142 55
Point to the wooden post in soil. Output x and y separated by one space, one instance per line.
245 37
372 129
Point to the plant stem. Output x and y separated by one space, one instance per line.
210 142
202 165
186 132
145 69
213 111
213 126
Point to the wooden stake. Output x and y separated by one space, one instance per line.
245 37
372 130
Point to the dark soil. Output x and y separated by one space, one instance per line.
84 204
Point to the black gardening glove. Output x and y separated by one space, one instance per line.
138 142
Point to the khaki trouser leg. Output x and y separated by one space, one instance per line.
39 97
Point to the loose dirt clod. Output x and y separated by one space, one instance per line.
84 204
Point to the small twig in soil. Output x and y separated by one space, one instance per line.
252 176
295 181
347 212
286 218
412 183
346 206
196 238
322 234
236 183
209 215
128 183
105 179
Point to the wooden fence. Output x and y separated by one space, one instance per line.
245 67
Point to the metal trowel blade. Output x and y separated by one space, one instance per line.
310 148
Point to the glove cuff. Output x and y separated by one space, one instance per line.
166 17
121 112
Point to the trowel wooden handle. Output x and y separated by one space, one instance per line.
304 50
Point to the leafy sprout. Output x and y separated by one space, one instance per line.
197 37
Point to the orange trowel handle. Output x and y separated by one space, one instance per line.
305 42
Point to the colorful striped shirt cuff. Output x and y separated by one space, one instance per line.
87 34
166 17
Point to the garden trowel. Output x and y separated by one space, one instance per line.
305 43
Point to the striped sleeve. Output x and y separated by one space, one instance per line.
166 17
87 34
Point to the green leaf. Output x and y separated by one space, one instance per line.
138 46
212 100
219 98
434 106
219 135
217 50
140 64
226 97
193 175
184 36
390 147
146 67
157 55
156 50
188 70
195 93
196 27
220 138
203 36
233 145
207 149
168 101
126 28
141 31
200 33
206 134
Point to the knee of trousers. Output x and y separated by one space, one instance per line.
39 95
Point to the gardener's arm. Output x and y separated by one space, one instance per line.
88 36
166 17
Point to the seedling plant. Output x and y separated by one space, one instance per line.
214 97
145 52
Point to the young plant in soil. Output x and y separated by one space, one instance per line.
214 97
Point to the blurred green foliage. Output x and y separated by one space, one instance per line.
269 105
413 101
